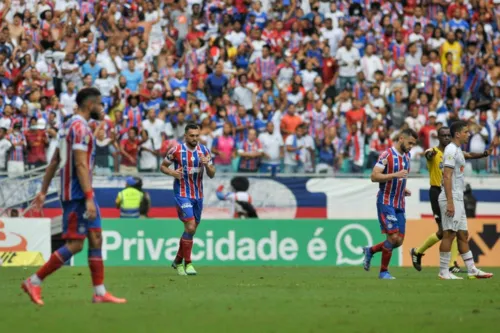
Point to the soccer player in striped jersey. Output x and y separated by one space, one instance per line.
390 172
81 218
190 160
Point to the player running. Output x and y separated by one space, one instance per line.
81 216
451 202
434 157
190 159
391 171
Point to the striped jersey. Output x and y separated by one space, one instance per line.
18 141
76 135
191 184
392 192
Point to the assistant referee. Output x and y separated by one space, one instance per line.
434 158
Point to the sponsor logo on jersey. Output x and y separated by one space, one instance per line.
392 218
186 205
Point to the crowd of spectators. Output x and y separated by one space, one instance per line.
289 86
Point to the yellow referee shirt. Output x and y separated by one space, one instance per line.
435 167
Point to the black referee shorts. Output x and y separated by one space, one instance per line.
434 192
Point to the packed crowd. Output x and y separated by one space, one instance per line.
277 85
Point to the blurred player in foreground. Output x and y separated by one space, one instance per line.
391 171
81 216
241 201
451 202
434 157
190 159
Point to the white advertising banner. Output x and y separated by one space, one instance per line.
356 198
25 234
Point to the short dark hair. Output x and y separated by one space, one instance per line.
457 127
442 128
191 126
409 132
135 129
86 93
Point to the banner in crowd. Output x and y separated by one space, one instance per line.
484 242
288 198
154 242
24 234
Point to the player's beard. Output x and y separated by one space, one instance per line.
95 114
403 148
192 144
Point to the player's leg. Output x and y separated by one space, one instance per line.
96 266
197 210
74 233
186 215
416 254
395 228
463 246
449 234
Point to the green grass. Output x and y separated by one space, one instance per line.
253 299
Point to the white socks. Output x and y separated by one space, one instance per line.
35 280
444 261
100 290
469 262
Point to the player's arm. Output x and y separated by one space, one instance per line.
475 156
221 195
165 168
210 170
378 175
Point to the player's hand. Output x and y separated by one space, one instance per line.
488 152
177 174
407 193
205 160
450 209
39 200
401 174
90 209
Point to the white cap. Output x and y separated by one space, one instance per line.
177 93
432 114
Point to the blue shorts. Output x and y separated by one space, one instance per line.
189 208
75 225
392 220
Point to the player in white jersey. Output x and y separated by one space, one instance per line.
451 203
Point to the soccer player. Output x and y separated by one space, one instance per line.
81 217
452 204
391 171
190 159
434 158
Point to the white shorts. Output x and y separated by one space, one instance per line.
457 222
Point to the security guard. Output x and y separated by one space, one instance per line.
129 200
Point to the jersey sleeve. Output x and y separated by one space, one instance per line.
207 153
80 138
382 160
449 156
170 157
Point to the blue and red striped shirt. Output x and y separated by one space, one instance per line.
18 142
250 163
76 135
191 184
392 192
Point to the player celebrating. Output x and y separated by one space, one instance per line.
434 158
189 159
241 200
391 171
451 202
81 216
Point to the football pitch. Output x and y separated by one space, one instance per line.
253 299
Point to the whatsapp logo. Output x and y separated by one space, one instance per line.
350 242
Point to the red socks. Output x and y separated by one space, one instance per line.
377 247
179 256
187 246
386 258
96 266
57 259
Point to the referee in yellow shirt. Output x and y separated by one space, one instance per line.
434 158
